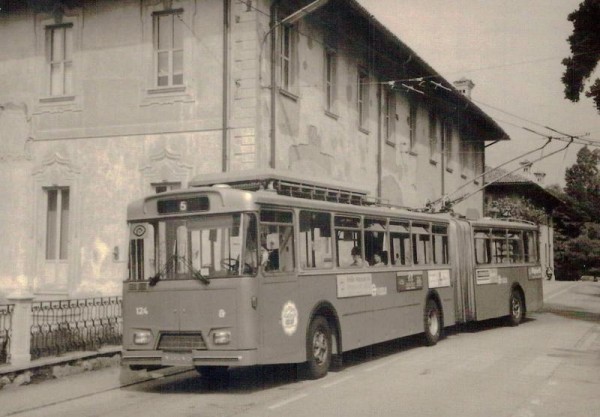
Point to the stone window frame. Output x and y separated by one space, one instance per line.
71 18
388 114
152 93
287 75
330 77
362 99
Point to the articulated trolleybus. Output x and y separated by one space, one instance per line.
277 271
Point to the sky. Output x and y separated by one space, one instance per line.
512 50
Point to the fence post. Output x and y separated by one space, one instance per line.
20 343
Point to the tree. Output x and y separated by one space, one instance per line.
583 185
585 49
577 224
517 208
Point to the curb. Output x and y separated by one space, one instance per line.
57 367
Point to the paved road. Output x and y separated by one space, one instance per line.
548 366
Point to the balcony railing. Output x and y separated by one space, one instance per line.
36 329
74 325
6 313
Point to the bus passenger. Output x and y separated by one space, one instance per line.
356 257
377 261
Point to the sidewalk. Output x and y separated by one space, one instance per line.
70 363
553 288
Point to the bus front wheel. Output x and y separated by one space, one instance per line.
433 322
318 348
516 308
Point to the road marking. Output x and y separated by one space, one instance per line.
339 381
288 401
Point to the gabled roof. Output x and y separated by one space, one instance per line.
500 181
478 116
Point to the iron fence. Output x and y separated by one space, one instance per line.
73 325
6 313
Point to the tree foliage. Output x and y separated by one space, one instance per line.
583 185
585 50
577 224
516 208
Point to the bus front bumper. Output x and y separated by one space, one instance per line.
194 358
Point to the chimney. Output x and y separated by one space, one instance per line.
526 166
464 86
539 177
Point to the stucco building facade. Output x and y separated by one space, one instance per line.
102 102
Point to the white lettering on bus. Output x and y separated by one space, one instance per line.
141 311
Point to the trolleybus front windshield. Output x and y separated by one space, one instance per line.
200 247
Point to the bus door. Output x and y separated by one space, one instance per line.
465 265
278 300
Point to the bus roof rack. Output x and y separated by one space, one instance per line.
513 219
285 183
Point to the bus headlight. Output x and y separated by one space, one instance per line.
142 337
221 337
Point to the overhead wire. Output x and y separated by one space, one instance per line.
403 83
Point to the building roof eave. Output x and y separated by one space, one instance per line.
495 132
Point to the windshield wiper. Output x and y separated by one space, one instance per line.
196 274
153 280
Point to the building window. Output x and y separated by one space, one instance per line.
286 63
464 155
163 187
330 80
388 115
168 48
433 135
447 144
59 49
363 98
412 125
57 224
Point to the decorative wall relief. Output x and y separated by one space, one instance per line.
165 165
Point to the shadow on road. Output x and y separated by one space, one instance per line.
561 310
256 378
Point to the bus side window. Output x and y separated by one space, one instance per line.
277 241
515 246
400 243
315 240
376 241
440 244
421 243
499 247
347 237
482 247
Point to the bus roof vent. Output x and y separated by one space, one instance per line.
284 183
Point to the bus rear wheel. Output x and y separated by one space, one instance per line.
432 319
318 348
516 308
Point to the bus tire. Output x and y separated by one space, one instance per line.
516 307
318 348
432 320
